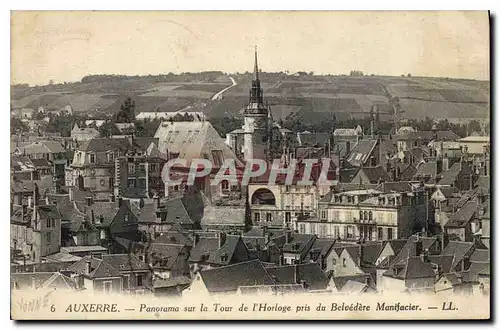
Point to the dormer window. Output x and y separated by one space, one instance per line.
111 157
92 158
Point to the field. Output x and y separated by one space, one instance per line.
311 98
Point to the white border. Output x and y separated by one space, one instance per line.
6 6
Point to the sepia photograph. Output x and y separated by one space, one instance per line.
250 165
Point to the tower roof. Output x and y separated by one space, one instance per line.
256 67
256 100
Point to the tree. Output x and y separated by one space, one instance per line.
127 112
17 125
108 129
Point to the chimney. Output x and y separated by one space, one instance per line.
295 274
195 238
156 201
87 267
88 200
424 256
222 238
265 234
418 246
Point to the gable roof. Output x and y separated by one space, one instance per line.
161 254
340 281
464 215
224 254
105 144
42 147
203 248
323 245
453 173
400 186
361 151
375 174
299 244
407 172
426 170
311 139
444 261
193 140
229 278
409 248
98 268
310 273
458 250
125 262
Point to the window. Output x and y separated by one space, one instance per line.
365 214
225 185
287 188
53 222
49 237
47 223
111 157
257 217
313 229
92 158
336 231
370 233
302 228
350 231
107 286
370 216
126 281
125 217
322 230
131 183
288 217
389 233
336 215
361 215
139 280
380 234
152 167
269 217
344 262
323 214
131 168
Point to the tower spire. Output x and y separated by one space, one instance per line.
256 67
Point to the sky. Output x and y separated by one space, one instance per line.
68 45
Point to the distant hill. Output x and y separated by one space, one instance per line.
304 96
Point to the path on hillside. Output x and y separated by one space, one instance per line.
218 95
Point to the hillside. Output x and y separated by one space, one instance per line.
310 98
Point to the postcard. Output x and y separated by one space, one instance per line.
250 165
